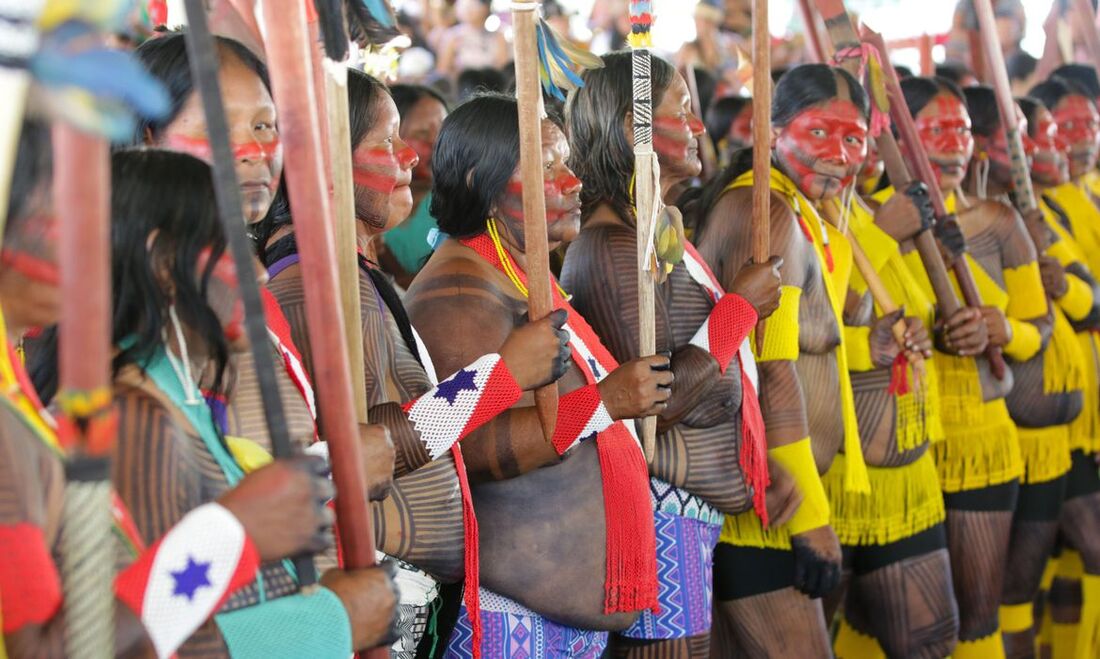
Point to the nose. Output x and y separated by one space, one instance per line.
251 151
834 152
569 183
696 125
407 157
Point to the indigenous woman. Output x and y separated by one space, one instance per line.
729 125
176 314
1084 76
979 460
270 514
258 156
704 464
899 597
566 524
428 521
1069 363
1078 127
406 246
763 573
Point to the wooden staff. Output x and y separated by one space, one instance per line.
1088 17
82 197
843 35
645 193
202 56
918 161
289 62
815 43
927 66
540 300
1021 175
761 134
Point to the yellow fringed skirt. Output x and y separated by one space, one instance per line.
983 453
1045 452
903 502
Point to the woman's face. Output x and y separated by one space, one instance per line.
562 190
1000 154
420 128
740 133
823 147
676 133
382 168
1079 125
1050 166
944 128
253 135
873 166
30 280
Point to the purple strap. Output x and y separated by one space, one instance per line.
282 264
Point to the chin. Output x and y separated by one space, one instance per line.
564 230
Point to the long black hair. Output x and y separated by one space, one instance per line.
801 87
32 173
166 59
602 154
1030 106
163 216
476 153
364 92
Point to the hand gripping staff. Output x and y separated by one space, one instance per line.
761 138
646 189
540 301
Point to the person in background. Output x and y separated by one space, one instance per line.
469 45
1021 72
405 247
729 125
473 81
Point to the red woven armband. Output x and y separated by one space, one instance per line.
581 415
729 322
30 587
179 582
463 403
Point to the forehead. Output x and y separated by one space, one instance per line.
1075 105
944 105
386 118
839 110
677 91
552 136
240 83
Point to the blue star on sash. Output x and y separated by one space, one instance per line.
193 576
454 385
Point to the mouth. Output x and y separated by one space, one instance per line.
255 187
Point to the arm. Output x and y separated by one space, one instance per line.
1081 302
600 274
461 314
1028 313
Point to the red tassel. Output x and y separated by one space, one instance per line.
631 539
829 257
899 376
754 449
471 591
805 227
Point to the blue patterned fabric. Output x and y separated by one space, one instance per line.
511 631
685 557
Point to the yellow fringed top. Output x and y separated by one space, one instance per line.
1084 220
918 412
836 283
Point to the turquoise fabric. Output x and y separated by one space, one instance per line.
314 625
408 241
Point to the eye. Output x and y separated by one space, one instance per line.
263 126
817 132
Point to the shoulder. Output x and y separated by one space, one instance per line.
455 272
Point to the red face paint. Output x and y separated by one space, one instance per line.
823 148
199 147
562 195
1049 165
675 141
224 292
944 129
32 267
1079 125
382 170
32 250
257 151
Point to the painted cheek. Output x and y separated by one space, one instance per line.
32 252
671 136
376 169
30 266
257 151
